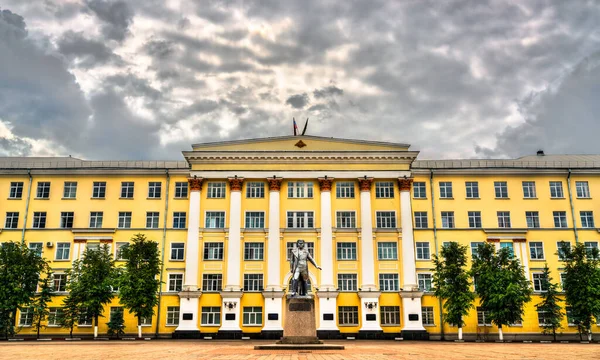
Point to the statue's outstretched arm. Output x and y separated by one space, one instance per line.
310 258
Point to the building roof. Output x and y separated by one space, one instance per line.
525 162
299 137
74 163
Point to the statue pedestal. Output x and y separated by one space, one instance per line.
299 321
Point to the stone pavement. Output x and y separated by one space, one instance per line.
234 350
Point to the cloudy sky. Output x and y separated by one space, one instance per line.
144 79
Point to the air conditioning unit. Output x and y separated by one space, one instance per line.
49 244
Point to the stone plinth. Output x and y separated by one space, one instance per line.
299 322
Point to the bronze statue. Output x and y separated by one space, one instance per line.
299 268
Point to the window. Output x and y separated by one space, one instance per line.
475 248
509 246
420 219
253 282
172 315
503 219
252 315
99 190
66 219
560 219
542 318
556 190
529 190
179 218
96 219
70 190
255 220
175 282
559 247
26 317
255 190
54 315
211 315
154 189
427 315
347 282
63 251
16 190
212 282
152 220
344 190
300 189
215 220
590 246
582 188
60 282
12 220
213 251
346 251
39 220
536 250
43 190
385 219
423 251
388 282
254 251
177 251
216 190
346 219
348 315
424 281
482 317
147 321
501 189
539 282
533 219
124 220
472 188
447 219
587 219
387 251
300 219
181 190
384 189
474 219
290 246
119 247
127 188
114 310
570 318
419 190
390 315
445 189
85 318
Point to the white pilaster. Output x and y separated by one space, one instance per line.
273 305
524 257
234 245
326 236
231 305
366 243
369 308
273 241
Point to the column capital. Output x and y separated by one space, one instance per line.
235 183
274 183
325 183
365 183
195 183
405 183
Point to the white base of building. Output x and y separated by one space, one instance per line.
188 310
231 311
369 303
327 310
273 310
411 310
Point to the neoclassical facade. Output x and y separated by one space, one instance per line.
372 215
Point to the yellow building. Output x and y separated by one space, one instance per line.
227 218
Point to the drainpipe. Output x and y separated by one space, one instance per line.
162 262
26 206
436 246
572 208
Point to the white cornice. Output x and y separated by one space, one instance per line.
339 174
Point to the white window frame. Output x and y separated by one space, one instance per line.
177 218
389 282
589 245
210 316
427 315
127 189
582 189
446 190
214 219
425 281
124 221
216 190
212 282
26 317
423 250
559 247
254 251
382 249
253 282
587 219
510 245
560 219
213 251
501 189
345 219
536 250
347 282
175 282
181 190
43 190
503 219
390 315
532 218
255 190
254 219
472 189
178 251
61 279
300 190
99 190
386 219
482 314
12 220
529 191
172 318
118 247
39 220
537 280
419 190
54 314
65 216
421 221
348 315
70 190
474 219
384 189
346 250
60 248
36 246
475 247
345 189
448 220
556 190
154 189
96 219
252 316
306 218
16 190
152 219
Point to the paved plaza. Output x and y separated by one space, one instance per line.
183 350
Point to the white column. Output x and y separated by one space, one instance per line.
189 296
411 296
524 256
366 245
273 292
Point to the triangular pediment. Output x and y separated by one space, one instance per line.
300 143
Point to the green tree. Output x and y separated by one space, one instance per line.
451 281
19 275
549 306
70 314
502 286
91 281
139 285
41 300
116 325
582 285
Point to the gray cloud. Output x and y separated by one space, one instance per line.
86 53
298 101
328 91
14 147
116 17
